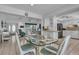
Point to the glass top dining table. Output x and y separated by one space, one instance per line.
40 42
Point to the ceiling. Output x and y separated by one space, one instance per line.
48 9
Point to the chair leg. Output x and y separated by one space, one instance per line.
21 53
2 40
34 52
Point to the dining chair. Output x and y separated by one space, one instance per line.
51 50
5 35
21 33
26 48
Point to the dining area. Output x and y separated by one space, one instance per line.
30 33
42 45
39 29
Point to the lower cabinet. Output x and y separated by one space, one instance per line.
74 34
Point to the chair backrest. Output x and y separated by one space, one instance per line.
18 42
64 45
6 33
21 33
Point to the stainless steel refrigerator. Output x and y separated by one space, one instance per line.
60 29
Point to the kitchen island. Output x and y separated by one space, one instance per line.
73 32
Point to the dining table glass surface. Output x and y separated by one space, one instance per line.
41 40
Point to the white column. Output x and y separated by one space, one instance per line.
42 26
55 34
45 22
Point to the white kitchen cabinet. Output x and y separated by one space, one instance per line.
65 33
74 34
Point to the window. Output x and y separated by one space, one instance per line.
13 28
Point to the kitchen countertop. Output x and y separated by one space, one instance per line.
72 29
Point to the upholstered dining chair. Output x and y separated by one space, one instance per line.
26 48
21 33
6 35
50 50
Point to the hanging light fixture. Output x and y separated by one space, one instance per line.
26 13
